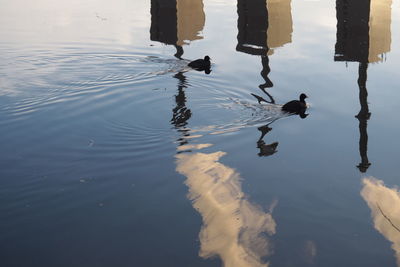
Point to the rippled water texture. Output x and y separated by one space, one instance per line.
115 153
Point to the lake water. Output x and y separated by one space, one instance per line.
115 153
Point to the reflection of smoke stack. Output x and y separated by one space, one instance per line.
352 38
264 73
252 27
180 113
362 117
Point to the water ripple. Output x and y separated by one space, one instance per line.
41 78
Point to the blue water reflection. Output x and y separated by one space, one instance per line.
116 153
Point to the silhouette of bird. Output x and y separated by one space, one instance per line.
266 150
200 64
296 106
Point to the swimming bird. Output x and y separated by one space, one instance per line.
296 106
201 64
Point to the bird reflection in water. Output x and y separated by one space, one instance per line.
262 27
270 149
266 149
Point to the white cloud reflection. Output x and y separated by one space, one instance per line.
384 203
233 228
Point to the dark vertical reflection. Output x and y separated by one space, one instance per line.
177 22
181 114
264 73
252 39
174 22
262 26
362 117
352 44
363 35
252 34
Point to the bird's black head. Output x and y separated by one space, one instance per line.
207 58
302 97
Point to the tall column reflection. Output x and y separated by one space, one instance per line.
177 22
181 114
363 116
363 36
174 22
262 26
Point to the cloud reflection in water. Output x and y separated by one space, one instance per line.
384 203
233 228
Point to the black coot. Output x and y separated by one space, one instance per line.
201 64
296 106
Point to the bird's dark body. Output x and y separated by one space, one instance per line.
201 64
296 106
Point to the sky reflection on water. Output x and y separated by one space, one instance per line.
115 153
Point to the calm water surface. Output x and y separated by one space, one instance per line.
115 153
